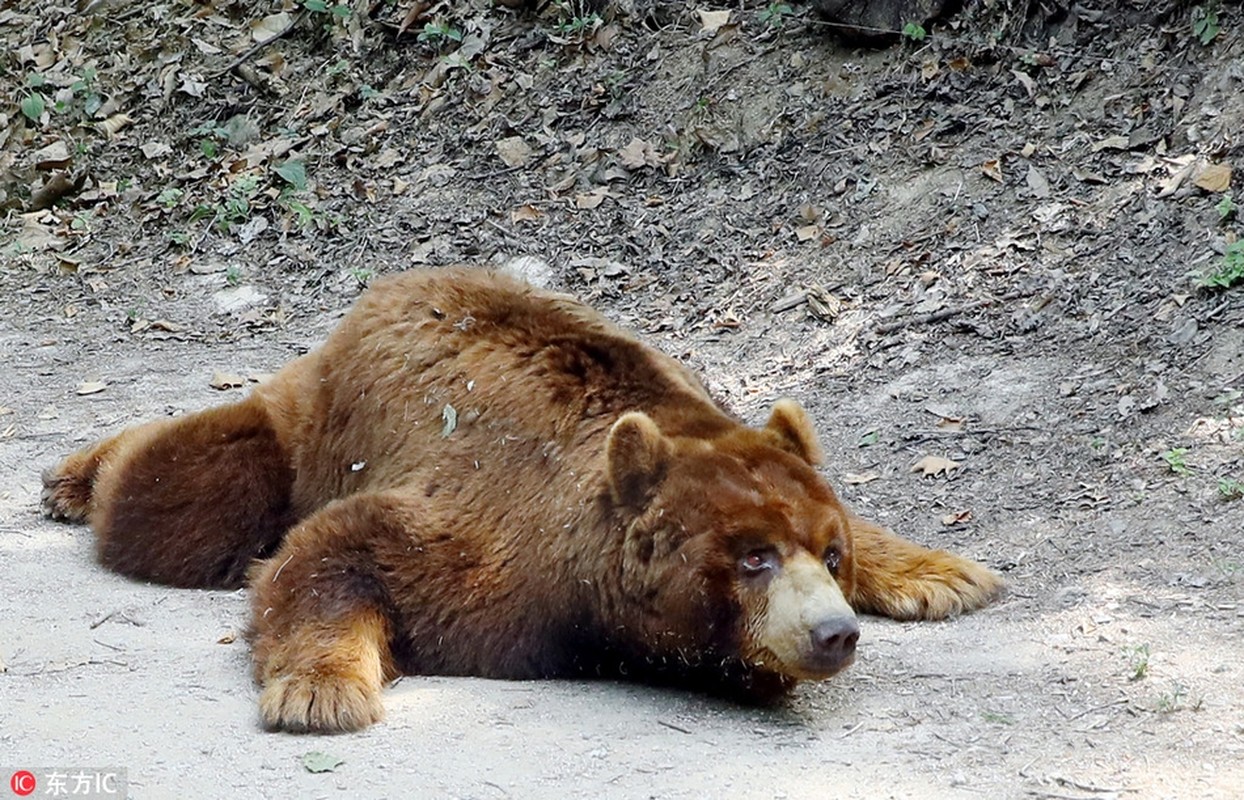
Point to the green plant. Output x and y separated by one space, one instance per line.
170 197
915 32
1229 271
233 275
294 173
1227 207
438 32
1138 662
362 275
1000 719
576 19
1230 488
34 104
330 13
1176 461
179 237
1205 23
1176 700
775 15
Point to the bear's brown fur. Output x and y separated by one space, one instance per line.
474 477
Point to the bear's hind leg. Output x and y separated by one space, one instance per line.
68 487
190 501
900 579
323 621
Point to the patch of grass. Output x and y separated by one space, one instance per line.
1230 488
915 32
775 14
1138 662
1229 271
233 275
1176 461
1176 700
998 719
1227 207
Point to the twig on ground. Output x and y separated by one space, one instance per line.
257 46
947 313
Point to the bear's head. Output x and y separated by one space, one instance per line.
738 550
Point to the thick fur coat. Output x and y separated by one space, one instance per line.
474 477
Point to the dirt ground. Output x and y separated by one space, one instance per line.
984 246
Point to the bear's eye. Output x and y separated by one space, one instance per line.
758 561
833 558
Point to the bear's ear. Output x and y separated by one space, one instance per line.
638 454
790 423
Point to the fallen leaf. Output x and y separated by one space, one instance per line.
1214 178
226 380
270 27
957 517
228 638
1111 143
856 478
807 232
113 125
153 150
934 465
638 153
449 415
992 169
54 156
525 213
315 761
710 21
1037 183
513 151
589 200
91 387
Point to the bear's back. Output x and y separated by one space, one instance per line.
465 383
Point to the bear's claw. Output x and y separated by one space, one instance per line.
319 704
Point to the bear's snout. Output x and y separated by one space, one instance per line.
833 643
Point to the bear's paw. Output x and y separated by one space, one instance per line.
318 703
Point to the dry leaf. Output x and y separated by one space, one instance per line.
91 387
992 169
113 125
525 213
807 232
1214 178
934 465
1037 183
855 478
226 380
513 151
54 156
1111 143
710 21
270 27
638 153
590 200
957 517
228 638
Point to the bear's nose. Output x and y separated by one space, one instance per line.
833 641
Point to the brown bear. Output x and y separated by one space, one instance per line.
475 477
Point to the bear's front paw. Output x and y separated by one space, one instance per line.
66 497
942 585
319 704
